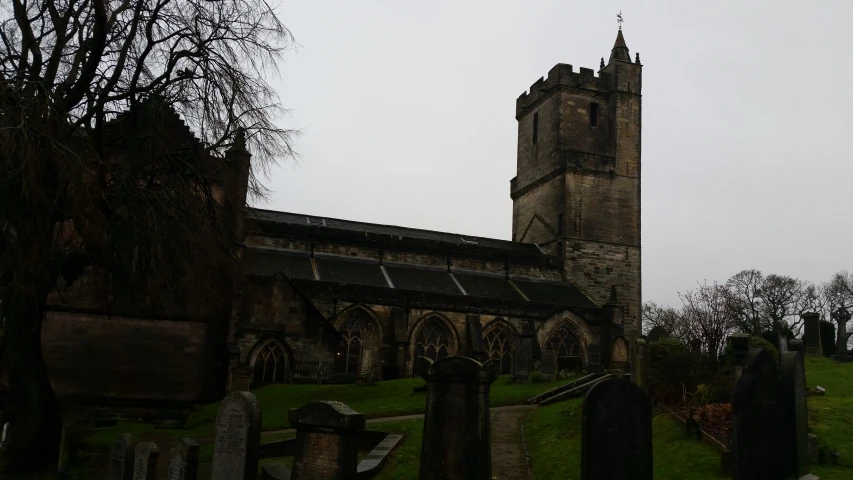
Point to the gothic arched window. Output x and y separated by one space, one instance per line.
500 345
355 332
433 340
270 364
564 342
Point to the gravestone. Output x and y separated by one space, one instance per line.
740 352
594 363
237 438
657 333
456 437
121 458
796 429
616 432
811 334
523 359
549 365
145 461
842 316
4 439
326 441
183 460
796 345
757 421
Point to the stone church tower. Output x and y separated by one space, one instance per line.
576 193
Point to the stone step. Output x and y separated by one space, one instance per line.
562 388
573 392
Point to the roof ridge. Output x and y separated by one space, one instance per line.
464 235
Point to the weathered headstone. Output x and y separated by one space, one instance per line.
796 345
145 461
523 359
549 365
811 334
757 421
4 439
237 438
594 364
616 432
793 400
121 458
183 460
842 316
326 441
456 436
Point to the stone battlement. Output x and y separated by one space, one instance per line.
561 74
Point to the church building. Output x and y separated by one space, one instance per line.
324 298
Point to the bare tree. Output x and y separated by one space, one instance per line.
780 295
707 314
81 190
745 300
669 318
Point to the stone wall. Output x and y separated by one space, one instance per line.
95 356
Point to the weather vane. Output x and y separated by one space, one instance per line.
619 19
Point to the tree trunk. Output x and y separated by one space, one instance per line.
33 409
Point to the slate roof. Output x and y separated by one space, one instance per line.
335 230
363 280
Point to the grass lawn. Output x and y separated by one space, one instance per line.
831 416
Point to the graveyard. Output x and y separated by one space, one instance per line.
549 436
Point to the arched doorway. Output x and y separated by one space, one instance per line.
564 342
269 363
500 341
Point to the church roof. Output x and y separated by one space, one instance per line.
308 227
363 280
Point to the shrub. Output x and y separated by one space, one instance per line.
704 394
536 377
754 344
665 348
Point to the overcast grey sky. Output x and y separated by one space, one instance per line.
407 111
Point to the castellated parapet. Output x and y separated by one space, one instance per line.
561 75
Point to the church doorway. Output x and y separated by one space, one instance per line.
565 342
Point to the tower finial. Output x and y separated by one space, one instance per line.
602 62
619 19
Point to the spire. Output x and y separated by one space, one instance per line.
620 49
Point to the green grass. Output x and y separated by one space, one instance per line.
405 459
831 416
553 435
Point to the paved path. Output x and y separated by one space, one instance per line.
509 461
